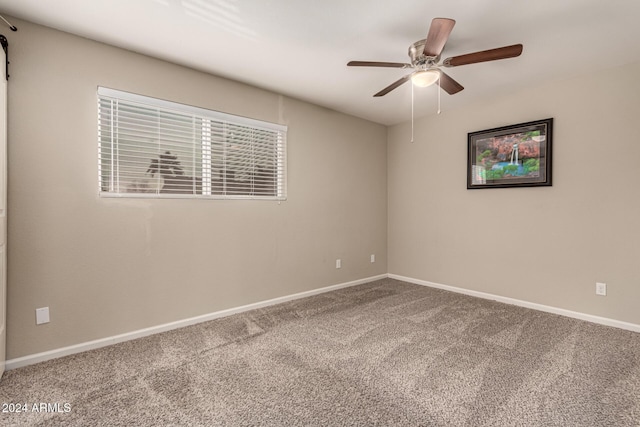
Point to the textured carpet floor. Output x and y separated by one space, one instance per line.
386 353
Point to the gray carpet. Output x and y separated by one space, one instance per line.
386 353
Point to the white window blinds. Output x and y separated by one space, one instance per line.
149 147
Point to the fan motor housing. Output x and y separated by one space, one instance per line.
418 58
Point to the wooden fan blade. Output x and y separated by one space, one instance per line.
394 85
377 64
485 55
448 84
438 36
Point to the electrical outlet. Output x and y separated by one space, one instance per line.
601 289
338 263
373 257
42 315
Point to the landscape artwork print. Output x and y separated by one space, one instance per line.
510 156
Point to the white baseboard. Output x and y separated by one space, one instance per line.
103 342
540 307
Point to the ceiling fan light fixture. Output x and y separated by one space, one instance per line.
425 78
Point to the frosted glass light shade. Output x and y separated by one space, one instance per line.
425 78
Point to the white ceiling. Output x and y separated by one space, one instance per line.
300 47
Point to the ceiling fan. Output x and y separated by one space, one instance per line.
425 55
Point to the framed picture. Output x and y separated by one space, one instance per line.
510 156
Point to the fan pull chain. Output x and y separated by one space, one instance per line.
412 113
439 90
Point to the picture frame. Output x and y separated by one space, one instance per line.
510 156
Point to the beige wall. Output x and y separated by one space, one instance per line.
547 245
109 266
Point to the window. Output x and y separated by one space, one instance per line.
149 147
